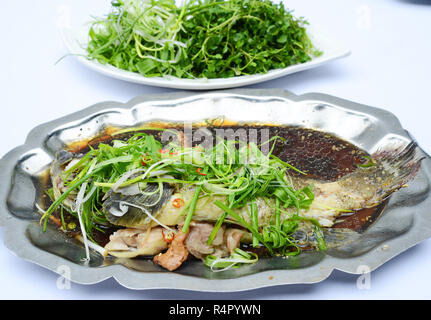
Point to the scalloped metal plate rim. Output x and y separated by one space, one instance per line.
14 228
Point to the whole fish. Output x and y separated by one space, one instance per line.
365 187
148 214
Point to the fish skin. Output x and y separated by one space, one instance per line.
134 217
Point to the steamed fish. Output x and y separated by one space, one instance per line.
172 200
364 188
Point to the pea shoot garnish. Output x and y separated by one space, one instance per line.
200 39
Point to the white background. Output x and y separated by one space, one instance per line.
389 68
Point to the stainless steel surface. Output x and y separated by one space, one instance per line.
405 222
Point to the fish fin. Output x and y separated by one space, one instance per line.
405 162
393 167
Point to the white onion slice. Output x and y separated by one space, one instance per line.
78 209
125 177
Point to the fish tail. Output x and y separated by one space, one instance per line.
393 167
403 163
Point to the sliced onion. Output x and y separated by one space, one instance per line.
78 209
125 177
89 194
178 43
71 164
121 211
131 190
93 246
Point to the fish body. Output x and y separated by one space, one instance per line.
363 188
171 214
143 211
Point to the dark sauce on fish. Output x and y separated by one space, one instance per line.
320 155
360 220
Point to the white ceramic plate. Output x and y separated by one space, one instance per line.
76 41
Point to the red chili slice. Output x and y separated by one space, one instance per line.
178 202
144 159
168 236
198 170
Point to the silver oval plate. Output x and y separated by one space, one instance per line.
404 223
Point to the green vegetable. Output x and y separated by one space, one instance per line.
240 172
369 162
255 222
191 209
201 39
